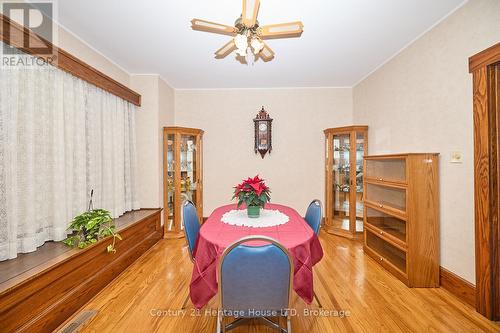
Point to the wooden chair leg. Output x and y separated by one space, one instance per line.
217 329
185 302
222 324
317 300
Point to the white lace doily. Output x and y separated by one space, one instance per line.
267 218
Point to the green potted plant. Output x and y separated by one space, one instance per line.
254 193
91 226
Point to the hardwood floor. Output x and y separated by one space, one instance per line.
147 297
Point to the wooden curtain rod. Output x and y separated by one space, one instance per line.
62 59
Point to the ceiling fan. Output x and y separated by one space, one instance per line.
248 35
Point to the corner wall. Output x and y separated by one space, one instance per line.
166 95
156 111
147 138
421 101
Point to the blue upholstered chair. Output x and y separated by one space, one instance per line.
255 282
191 231
314 215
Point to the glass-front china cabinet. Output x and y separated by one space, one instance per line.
182 175
345 148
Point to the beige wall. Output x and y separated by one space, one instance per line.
165 118
147 137
421 101
156 111
294 170
75 46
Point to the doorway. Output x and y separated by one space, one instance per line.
485 67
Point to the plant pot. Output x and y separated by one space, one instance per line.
253 211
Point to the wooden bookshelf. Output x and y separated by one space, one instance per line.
401 215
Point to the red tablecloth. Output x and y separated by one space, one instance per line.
215 236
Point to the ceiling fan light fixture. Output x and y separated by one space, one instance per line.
241 42
257 45
248 35
241 52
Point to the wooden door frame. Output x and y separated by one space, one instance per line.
486 180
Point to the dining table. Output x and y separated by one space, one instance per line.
228 224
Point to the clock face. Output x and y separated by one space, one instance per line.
262 127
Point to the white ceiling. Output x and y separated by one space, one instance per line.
343 40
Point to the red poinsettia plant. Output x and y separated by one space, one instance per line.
252 192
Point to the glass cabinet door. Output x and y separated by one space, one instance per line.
188 178
358 173
341 180
170 172
346 147
182 176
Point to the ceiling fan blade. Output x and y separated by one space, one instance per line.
225 50
266 53
250 11
282 30
202 25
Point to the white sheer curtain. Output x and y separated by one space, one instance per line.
60 137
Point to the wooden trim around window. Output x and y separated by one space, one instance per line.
463 290
485 67
62 59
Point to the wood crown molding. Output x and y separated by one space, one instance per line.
62 59
189 130
484 58
460 288
337 130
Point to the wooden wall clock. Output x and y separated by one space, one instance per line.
263 131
